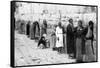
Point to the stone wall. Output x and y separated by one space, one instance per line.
54 13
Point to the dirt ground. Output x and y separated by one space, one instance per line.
27 53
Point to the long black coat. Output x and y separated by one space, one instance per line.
70 39
28 29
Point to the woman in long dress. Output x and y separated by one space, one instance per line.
80 41
89 43
59 37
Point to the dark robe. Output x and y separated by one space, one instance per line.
70 40
28 29
64 40
35 30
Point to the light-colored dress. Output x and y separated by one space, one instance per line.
59 36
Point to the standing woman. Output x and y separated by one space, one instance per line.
59 37
37 30
89 43
80 41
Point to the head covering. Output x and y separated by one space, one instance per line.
44 35
91 23
70 20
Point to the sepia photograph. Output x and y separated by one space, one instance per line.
53 33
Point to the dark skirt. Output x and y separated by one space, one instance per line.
80 48
35 32
70 45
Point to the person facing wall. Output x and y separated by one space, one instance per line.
70 39
28 29
35 30
44 27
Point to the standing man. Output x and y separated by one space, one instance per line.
70 39
28 29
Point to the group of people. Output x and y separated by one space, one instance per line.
36 32
76 39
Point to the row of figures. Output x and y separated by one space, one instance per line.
32 29
77 42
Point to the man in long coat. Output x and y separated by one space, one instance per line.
70 39
28 29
